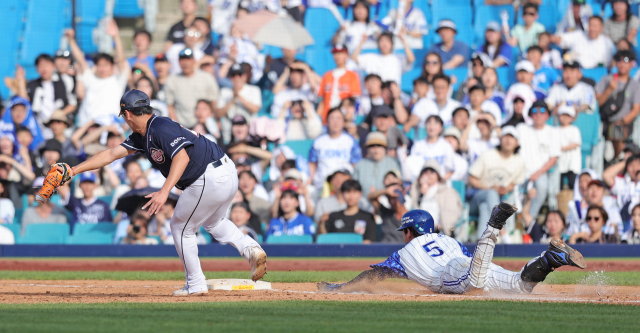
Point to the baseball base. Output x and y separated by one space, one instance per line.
237 284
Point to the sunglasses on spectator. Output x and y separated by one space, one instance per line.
529 13
595 218
193 33
431 62
538 109
478 64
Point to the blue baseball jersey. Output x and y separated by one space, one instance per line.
164 138
423 260
298 225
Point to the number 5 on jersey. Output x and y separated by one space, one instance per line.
438 251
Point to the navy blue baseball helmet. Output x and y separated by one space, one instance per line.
133 99
419 220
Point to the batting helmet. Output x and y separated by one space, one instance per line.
419 220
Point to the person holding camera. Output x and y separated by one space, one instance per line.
300 120
137 231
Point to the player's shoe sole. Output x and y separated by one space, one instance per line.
258 261
574 258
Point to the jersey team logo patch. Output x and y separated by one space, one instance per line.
157 155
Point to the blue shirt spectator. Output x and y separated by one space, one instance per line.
498 51
544 77
452 52
290 220
89 209
19 113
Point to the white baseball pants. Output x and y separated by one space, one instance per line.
464 274
204 203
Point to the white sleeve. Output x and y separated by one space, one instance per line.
554 149
568 39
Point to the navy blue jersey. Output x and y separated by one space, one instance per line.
165 138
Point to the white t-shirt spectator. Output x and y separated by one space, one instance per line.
183 93
477 147
249 92
389 67
352 35
460 168
414 21
7 211
625 190
494 170
247 52
424 108
580 94
446 112
102 96
487 106
538 146
173 56
305 93
333 154
570 160
223 13
366 103
440 151
591 52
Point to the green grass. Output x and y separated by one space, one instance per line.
607 278
320 316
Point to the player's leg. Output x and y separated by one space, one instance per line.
191 212
225 231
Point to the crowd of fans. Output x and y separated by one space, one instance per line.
367 165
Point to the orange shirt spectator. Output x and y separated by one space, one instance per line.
337 84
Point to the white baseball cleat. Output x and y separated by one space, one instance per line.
185 292
258 261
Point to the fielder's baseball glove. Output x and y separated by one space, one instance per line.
58 175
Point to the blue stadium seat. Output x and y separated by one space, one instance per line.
90 239
206 235
406 84
595 73
260 239
300 147
127 9
460 73
485 14
289 239
88 13
460 188
321 25
106 227
319 58
17 217
43 31
53 233
11 25
339 238
273 51
460 14
589 125
504 77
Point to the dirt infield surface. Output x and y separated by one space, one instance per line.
87 291
229 265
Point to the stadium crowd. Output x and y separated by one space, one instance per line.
367 163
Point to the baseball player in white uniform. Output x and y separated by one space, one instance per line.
443 265
197 166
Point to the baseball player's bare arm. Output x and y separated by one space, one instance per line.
365 278
178 164
101 159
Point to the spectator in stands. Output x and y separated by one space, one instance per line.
460 164
241 99
193 38
570 160
572 91
495 47
351 33
474 146
142 41
478 103
591 48
551 57
177 32
432 66
372 95
223 12
255 195
392 209
240 216
526 35
137 231
479 61
248 157
352 219
525 72
384 121
494 176
460 119
202 24
554 227
104 88
159 224
540 149
446 105
58 123
49 153
44 212
339 83
19 114
576 17
370 171
619 99
423 106
387 65
65 73
292 180
161 67
596 219
624 178
596 196
88 209
17 161
7 210
544 77
302 86
290 221
452 53
236 49
433 147
147 86
622 24
493 89
184 90
45 93
335 149
300 120
409 20
431 194
335 202
207 124
632 236
275 67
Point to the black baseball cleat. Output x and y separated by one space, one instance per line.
560 254
500 214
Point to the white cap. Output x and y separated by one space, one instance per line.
446 24
433 164
566 109
510 130
525 65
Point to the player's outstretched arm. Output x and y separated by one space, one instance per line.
178 165
363 279
101 159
